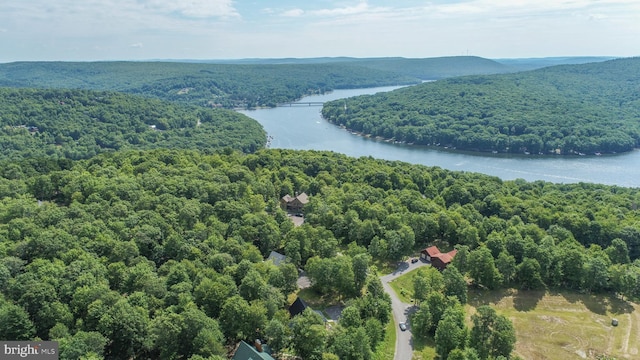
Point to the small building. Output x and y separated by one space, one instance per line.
298 307
294 204
438 259
277 258
428 253
245 351
443 260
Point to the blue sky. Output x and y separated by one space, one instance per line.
228 29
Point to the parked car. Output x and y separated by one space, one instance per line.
414 260
403 326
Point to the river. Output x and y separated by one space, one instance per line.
303 128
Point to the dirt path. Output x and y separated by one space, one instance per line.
634 323
625 343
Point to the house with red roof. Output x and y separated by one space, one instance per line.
438 260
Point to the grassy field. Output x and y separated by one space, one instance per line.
384 267
566 325
424 349
386 349
552 325
403 286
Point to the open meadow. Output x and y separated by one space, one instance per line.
566 325
552 325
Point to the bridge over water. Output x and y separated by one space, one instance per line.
308 103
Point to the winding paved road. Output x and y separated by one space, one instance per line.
401 310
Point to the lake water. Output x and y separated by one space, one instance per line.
303 128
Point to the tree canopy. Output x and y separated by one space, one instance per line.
78 124
151 254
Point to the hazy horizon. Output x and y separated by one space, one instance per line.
302 59
138 30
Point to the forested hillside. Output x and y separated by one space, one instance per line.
430 68
437 68
159 254
569 109
523 64
212 85
78 124
421 68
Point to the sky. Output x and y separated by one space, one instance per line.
90 30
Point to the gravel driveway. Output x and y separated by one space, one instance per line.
401 310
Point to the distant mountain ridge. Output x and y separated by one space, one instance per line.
399 64
537 63
217 85
252 82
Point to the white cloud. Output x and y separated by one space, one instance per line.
360 8
195 8
46 9
293 13
528 8
252 28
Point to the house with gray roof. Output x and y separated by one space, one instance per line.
277 258
245 351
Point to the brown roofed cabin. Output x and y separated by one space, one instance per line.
429 253
294 204
438 260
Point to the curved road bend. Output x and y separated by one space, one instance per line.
401 310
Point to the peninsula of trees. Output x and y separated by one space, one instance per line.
78 124
570 109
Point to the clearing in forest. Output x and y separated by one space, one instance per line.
566 325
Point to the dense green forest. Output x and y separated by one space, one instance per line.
523 64
437 68
426 68
159 253
421 68
78 124
568 109
212 85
